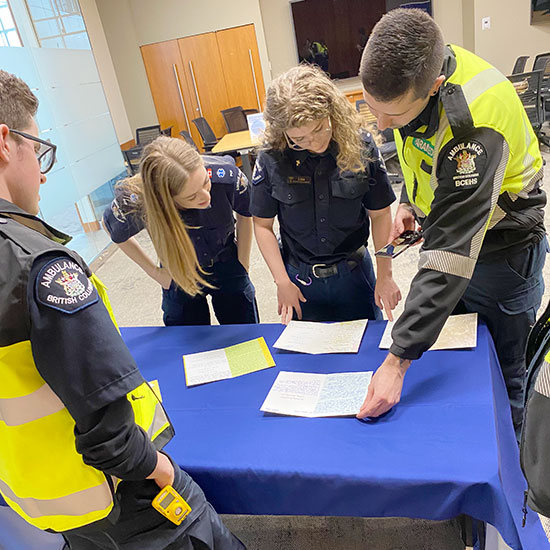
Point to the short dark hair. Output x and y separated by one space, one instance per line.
405 51
18 104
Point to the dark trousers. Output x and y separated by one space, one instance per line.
141 527
346 296
233 298
506 294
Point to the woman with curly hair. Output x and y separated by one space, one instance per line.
320 172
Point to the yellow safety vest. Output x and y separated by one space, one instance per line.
492 103
42 476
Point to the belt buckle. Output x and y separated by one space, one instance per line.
315 266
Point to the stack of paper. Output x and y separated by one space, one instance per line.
460 331
315 338
315 395
219 364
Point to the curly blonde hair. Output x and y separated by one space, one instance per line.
305 94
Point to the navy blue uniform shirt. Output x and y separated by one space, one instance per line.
212 230
322 211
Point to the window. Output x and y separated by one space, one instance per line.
8 31
58 24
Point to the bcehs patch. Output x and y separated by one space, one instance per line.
466 162
63 285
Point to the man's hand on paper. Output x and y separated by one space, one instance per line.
385 387
289 297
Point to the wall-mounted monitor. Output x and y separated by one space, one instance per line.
333 33
540 11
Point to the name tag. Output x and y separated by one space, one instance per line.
304 180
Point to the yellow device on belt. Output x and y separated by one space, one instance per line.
171 505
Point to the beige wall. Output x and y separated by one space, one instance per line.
279 35
510 34
129 24
448 15
106 70
116 17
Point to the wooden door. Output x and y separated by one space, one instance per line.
168 85
203 71
241 67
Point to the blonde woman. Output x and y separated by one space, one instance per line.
321 174
187 203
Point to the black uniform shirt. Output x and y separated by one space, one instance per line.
212 230
322 211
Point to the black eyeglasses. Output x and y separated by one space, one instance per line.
46 153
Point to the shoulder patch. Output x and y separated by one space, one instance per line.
464 164
62 285
242 182
258 174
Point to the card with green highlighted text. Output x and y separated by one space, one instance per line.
220 364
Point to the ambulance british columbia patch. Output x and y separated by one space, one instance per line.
464 163
63 285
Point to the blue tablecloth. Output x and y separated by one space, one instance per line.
447 449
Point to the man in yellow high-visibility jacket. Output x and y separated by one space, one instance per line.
473 171
81 431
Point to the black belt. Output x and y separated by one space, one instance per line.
322 271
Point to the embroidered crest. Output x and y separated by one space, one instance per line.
465 162
62 285
70 283
220 172
242 183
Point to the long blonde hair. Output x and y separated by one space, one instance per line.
165 167
304 94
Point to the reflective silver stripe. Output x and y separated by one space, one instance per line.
528 159
159 420
38 404
447 262
481 82
443 125
477 240
545 522
77 504
528 187
542 384
498 215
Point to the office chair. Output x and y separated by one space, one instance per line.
132 157
235 119
147 134
208 137
528 87
519 65
187 137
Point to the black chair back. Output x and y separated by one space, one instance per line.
207 135
519 65
132 157
542 63
528 86
147 134
235 119
187 137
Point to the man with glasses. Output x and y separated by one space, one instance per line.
81 431
323 178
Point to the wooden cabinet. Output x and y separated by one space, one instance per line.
201 75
